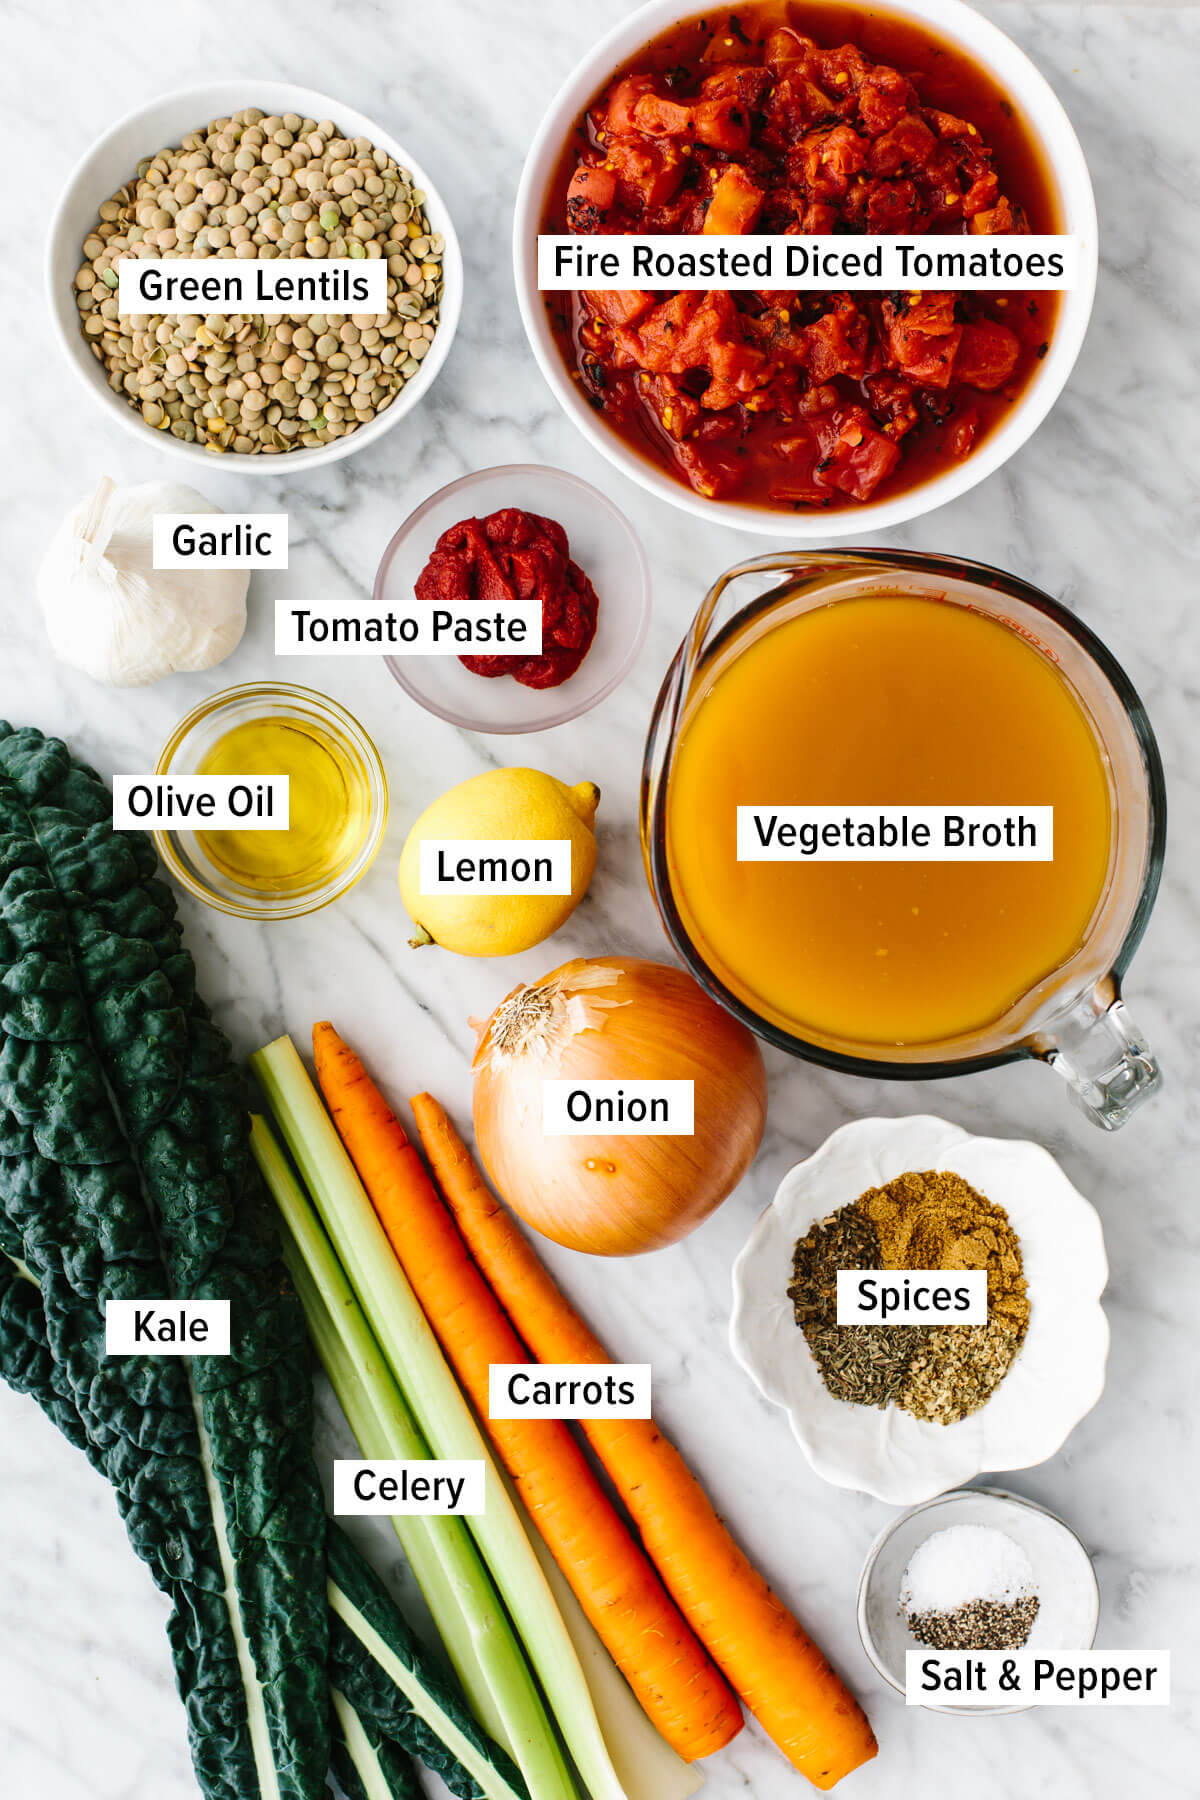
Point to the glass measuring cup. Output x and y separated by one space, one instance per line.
1075 1018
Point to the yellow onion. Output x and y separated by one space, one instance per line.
616 1018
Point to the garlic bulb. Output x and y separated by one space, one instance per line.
109 612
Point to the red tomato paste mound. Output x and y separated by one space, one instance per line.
515 555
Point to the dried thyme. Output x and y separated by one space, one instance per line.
863 1364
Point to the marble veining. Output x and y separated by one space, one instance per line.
1099 508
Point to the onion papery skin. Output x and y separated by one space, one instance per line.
617 1018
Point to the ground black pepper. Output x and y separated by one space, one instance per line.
977 1625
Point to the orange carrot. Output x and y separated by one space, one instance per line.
677 1685
769 1660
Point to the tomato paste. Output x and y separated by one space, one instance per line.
765 120
515 555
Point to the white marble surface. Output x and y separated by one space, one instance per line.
1099 509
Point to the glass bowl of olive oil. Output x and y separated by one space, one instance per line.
337 801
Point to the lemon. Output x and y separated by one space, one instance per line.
503 803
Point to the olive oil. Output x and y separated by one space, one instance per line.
876 701
328 804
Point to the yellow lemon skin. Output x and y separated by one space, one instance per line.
503 803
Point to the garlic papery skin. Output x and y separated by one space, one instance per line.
111 613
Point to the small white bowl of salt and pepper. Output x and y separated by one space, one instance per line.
978 1569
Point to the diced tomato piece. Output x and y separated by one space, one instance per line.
907 146
841 71
836 343
793 105
787 46
713 470
590 195
659 116
619 306
818 218
892 206
1000 217
699 331
746 85
652 344
963 431
818 400
948 125
923 337
618 119
723 125
987 354
830 158
892 404
855 457
778 331
982 194
884 96
647 174
736 203
677 411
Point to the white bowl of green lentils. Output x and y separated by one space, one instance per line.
250 169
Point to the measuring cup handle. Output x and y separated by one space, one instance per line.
1103 1057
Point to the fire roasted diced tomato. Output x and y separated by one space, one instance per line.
855 457
837 343
589 198
923 337
987 355
736 202
739 123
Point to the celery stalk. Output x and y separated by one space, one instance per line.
434 1556
416 1360
478 1638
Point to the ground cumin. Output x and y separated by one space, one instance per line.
933 1219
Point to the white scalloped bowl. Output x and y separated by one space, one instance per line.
1057 1377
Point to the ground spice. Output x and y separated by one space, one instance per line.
933 1219
930 1219
863 1364
977 1625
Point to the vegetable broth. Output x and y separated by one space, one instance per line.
329 804
886 700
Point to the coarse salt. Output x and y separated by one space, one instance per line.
961 1564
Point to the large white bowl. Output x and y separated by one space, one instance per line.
111 162
1057 1377
1032 94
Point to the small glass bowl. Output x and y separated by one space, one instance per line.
195 736
605 546
1067 1589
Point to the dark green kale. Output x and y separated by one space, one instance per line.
98 1002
